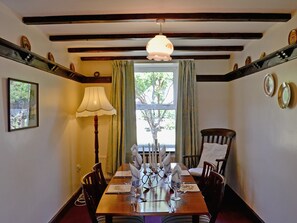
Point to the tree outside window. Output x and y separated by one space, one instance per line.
155 105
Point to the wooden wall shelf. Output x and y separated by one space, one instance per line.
278 57
21 55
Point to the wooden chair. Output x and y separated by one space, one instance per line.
213 195
207 168
93 190
100 177
215 137
90 191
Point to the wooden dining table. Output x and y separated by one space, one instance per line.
153 201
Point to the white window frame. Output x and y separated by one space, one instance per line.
160 67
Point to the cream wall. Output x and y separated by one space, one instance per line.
213 97
38 165
263 164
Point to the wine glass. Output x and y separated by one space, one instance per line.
135 185
175 186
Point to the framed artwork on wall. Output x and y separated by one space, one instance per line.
23 105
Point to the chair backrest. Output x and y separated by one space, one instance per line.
220 136
102 184
207 168
90 191
214 193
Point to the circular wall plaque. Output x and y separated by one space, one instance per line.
284 95
269 85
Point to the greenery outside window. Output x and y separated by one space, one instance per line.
156 91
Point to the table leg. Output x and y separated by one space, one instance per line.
195 218
152 219
108 218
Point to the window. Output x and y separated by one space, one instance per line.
155 89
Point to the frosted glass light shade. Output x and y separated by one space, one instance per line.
159 48
94 103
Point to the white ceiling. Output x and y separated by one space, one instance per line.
23 8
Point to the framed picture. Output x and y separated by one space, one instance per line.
23 105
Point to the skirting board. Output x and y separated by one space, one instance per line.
232 196
57 218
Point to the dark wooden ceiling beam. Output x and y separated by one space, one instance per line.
151 17
194 57
150 35
142 48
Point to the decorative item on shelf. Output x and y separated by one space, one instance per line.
284 95
25 43
248 60
97 74
235 67
50 56
95 103
262 55
269 84
72 67
159 48
292 38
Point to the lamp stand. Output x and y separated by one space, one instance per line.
96 139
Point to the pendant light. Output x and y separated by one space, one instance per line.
159 48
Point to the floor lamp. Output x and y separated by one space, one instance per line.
95 103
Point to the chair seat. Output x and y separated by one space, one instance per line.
185 219
196 171
122 219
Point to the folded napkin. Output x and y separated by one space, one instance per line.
135 175
136 157
167 164
176 176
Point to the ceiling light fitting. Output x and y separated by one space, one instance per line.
159 48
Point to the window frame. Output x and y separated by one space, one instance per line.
159 67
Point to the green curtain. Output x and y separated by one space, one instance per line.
187 134
122 133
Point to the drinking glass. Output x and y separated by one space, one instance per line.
135 188
175 186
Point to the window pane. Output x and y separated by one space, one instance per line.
161 129
154 88
155 105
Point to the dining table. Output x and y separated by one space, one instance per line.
154 198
